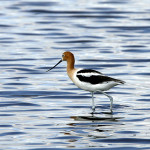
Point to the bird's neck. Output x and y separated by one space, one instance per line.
70 67
70 64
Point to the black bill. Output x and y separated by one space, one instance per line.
54 66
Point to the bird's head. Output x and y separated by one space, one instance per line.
66 56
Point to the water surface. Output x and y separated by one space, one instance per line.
41 110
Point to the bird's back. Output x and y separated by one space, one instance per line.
92 80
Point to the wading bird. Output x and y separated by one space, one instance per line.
88 79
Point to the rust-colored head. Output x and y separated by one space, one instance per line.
67 56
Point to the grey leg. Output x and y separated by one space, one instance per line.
111 99
93 104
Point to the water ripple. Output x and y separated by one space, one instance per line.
41 110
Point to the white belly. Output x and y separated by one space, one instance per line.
92 88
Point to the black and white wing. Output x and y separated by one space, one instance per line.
94 77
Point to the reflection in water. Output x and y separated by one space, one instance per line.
93 127
93 118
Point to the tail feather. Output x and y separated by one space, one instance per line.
120 81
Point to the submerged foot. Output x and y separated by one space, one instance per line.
93 110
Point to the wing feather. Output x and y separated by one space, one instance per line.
95 77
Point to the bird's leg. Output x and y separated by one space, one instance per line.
93 105
111 99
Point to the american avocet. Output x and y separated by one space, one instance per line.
88 79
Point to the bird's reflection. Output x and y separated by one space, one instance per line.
96 117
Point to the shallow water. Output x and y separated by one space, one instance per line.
41 110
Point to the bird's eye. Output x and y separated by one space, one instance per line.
63 55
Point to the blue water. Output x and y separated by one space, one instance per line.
41 110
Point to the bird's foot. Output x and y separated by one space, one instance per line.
93 110
111 111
